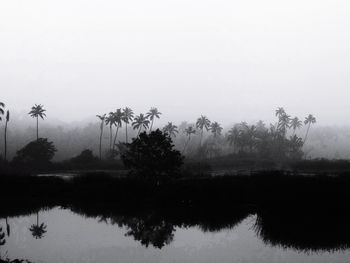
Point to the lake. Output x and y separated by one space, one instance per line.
61 235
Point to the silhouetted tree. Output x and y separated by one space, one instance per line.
128 116
310 119
37 230
295 124
5 139
140 122
152 114
202 123
85 157
170 129
234 136
215 128
118 118
102 119
110 120
152 155
36 112
36 153
188 131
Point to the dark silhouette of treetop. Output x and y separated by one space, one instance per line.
36 153
152 155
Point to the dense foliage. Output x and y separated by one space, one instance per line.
152 155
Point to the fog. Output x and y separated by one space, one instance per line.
230 60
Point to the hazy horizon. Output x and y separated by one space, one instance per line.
231 61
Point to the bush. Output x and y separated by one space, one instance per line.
36 154
85 157
152 155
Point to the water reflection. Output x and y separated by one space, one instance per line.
38 230
317 231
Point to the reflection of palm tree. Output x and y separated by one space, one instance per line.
170 129
110 120
202 123
152 114
2 237
216 129
295 124
7 227
36 112
5 142
140 122
102 119
308 121
37 230
118 116
188 131
128 115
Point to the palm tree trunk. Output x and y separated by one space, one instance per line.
115 137
150 129
100 149
126 133
110 137
37 218
183 151
37 128
139 131
200 141
5 154
307 132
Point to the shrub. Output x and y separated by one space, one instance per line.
152 155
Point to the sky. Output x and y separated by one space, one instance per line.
229 60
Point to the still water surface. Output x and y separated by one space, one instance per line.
69 237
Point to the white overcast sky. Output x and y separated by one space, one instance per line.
230 60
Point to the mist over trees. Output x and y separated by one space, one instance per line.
209 137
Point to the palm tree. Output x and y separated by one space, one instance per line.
140 122
102 119
128 116
36 112
110 120
216 129
295 124
7 120
152 114
188 131
234 136
283 123
118 118
37 230
202 123
308 121
280 112
170 129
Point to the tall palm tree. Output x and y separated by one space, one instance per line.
295 124
140 121
102 119
216 129
170 129
5 143
37 230
188 131
202 123
310 119
152 114
36 112
110 120
128 116
118 118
